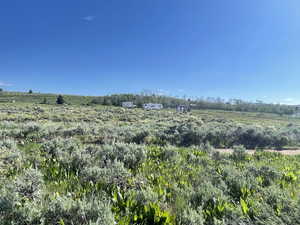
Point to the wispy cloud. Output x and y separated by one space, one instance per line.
4 84
88 18
162 92
289 101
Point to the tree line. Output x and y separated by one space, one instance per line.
201 103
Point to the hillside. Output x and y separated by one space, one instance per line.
166 101
22 97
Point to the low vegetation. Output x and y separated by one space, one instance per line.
71 164
167 101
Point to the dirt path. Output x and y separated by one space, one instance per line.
284 152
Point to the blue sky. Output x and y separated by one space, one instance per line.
246 49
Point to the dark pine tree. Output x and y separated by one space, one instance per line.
45 101
60 100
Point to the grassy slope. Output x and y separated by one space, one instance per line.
38 98
264 119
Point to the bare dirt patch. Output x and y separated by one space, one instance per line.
284 152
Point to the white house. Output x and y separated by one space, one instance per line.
183 108
150 106
296 115
128 105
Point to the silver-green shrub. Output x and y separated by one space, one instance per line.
131 155
113 174
68 211
29 183
191 217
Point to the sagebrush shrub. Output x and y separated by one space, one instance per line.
8 144
15 209
191 217
113 174
61 149
29 183
12 159
131 155
63 210
239 153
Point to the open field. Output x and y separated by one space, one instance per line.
75 164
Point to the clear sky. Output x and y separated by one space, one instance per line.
247 49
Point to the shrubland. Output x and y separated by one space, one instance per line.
147 97
107 165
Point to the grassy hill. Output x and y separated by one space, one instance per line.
23 97
259 118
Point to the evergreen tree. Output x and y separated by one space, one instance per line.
60 100
45 101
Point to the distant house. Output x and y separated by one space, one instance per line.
128 105
297 112
296 115
183 108
150 106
